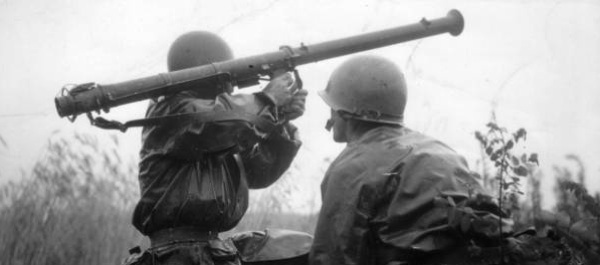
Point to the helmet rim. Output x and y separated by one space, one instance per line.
370 88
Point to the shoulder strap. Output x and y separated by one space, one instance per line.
202 117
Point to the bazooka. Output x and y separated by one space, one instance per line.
243 72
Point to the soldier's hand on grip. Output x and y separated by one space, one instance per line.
280 90
296 107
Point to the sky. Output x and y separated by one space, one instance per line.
534 63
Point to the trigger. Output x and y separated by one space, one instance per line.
297 78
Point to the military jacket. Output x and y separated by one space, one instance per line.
198 173
379 198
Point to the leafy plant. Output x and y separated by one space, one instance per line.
499 146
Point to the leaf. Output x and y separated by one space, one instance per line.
495 141
496 155
524 158
520 134
489 150
521 171
514 161
479 136
493 126
451 202
533 158
509 145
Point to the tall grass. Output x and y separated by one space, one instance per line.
74 208
272 207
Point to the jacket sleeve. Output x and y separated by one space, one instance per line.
270 158
191 140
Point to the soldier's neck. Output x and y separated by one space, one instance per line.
357 129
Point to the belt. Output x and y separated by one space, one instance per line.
180 235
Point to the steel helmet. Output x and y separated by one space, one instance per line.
197 48
370 88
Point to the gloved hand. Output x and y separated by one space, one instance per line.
280 90
296 107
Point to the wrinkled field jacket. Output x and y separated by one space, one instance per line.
379 198
198 173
